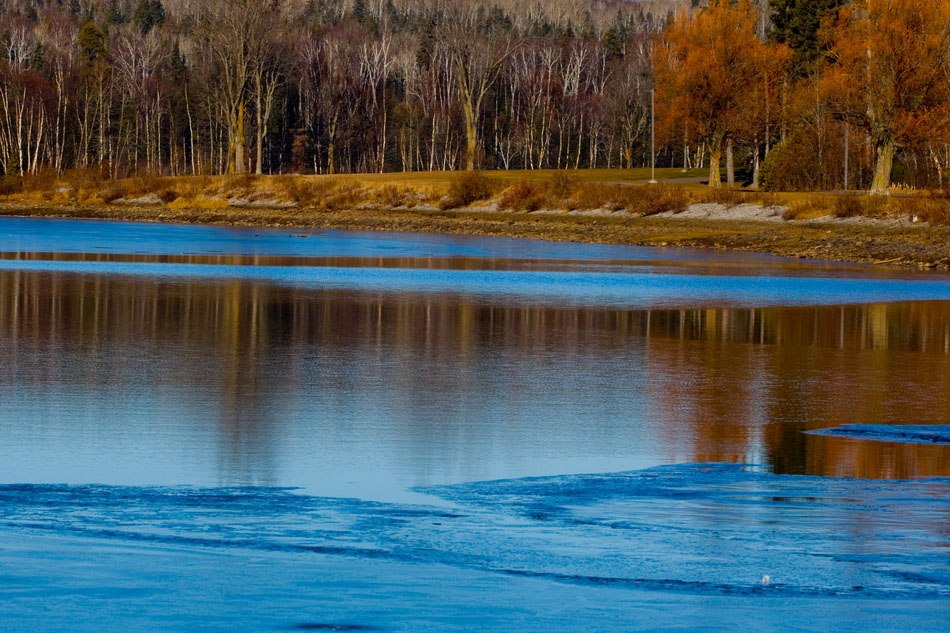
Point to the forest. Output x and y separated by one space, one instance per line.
779 94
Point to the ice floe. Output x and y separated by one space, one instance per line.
909 433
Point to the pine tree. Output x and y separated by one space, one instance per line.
114 14
796 23
92 42
359 11
178 63
148 14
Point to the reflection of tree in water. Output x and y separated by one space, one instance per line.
806 368
718 385
247 426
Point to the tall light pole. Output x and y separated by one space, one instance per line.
847 126
653 136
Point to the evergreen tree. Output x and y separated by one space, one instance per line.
796 23
92 42
392 13
360 12
148 14
178 63
114 14
13 165
613 41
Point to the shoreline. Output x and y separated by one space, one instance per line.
869 241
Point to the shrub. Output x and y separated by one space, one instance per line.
393 196
653 199
43 180
524 196
811 206
10 185
113 190
592 195
875 206
83 178
147 183
848 206
726 196
937 212
167 195
193 185
468 187
562 184
241 182
808 161
341 195
851 205
933 209
766 199
306 190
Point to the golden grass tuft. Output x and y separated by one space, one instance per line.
653 199
807 207
727 196
765 198
563 184
595 195
10 185
305 190
395 196
933 208
525 196
635 199
466 188
200 202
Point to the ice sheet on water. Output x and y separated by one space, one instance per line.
910 433
699 529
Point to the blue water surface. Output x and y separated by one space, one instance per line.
333 445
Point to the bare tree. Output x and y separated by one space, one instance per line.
477 55
234 39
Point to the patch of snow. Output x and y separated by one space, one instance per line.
150 199
267 203
716 211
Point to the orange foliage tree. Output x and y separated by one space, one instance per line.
889 74
709 67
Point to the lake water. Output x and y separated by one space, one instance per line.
382 375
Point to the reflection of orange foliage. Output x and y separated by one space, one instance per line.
747 383
845 457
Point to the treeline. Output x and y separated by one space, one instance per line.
323 86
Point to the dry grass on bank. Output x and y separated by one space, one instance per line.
932 207
599 190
